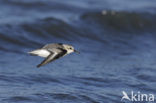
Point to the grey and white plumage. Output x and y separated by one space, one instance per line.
52 52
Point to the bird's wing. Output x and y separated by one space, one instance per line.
54 45
52 57
47 59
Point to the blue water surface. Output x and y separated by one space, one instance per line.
116 40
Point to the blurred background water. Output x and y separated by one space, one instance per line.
116 38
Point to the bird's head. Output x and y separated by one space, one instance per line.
69 48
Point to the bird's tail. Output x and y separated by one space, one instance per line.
34 52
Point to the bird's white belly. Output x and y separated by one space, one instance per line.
43 53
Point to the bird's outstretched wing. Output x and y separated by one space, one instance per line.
52 57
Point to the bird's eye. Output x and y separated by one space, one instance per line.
70 48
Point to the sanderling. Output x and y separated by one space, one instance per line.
52 52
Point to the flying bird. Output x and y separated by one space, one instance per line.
52 52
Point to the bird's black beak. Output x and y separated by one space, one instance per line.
76 51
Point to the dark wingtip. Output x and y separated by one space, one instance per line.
38 65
